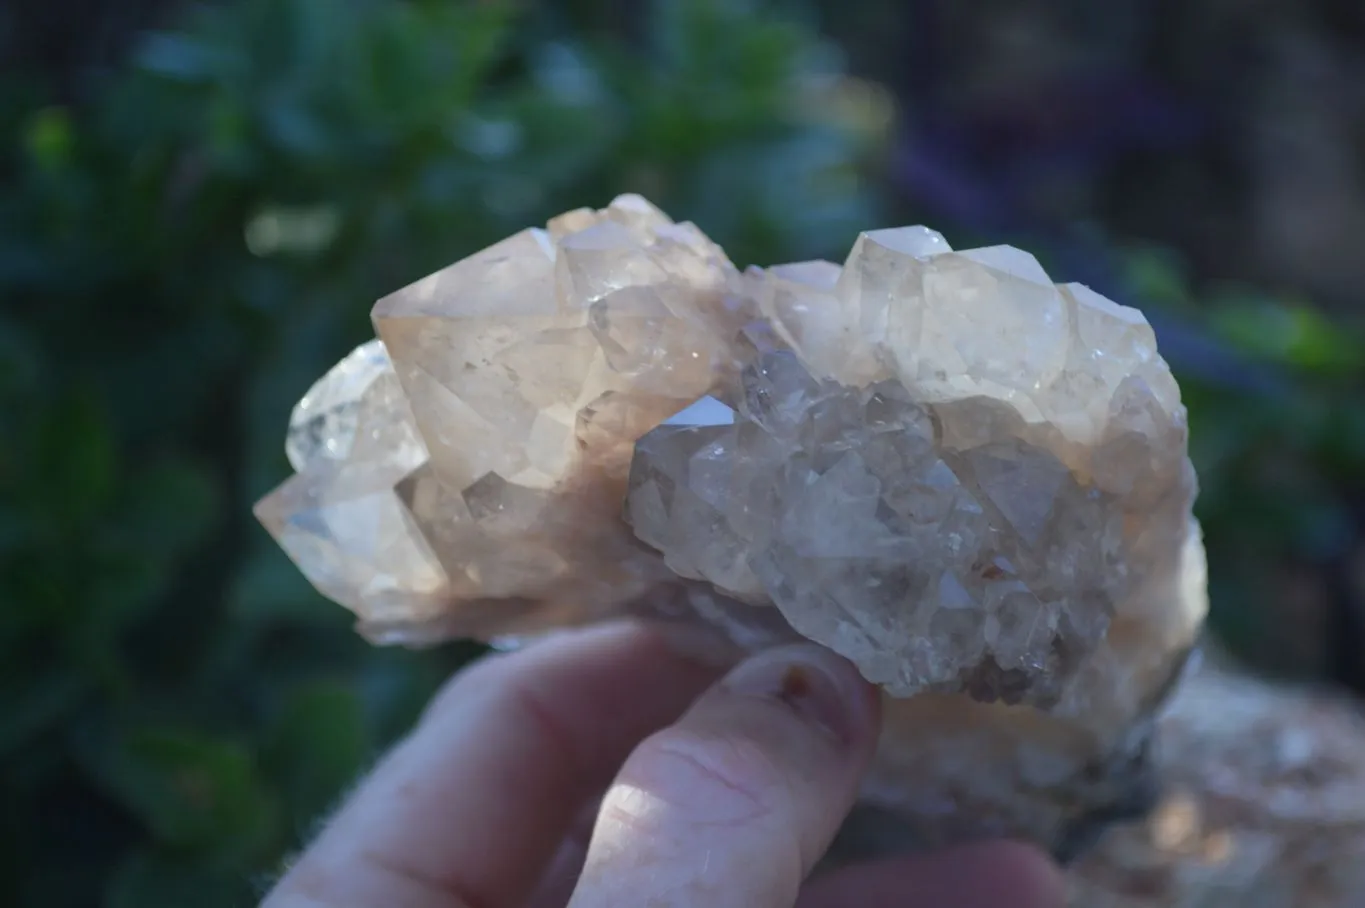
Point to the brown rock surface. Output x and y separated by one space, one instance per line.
1263 806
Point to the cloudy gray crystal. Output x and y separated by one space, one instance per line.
933 568
939 464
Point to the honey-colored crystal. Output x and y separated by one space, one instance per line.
522 376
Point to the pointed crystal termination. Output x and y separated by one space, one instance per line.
342 518
326 421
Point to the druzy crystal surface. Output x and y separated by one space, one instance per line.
970 481
939 464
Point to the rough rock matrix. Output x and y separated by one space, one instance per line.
1263 807
967 479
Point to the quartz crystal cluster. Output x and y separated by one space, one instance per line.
970 481
463 474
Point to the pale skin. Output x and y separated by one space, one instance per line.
606 768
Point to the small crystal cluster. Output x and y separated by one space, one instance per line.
968 480
484 497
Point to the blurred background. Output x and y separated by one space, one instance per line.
201 202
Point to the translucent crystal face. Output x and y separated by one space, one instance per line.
326 420
609 318
969 480
342 518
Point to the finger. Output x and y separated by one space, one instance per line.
733 805
468 809
561 874
985 875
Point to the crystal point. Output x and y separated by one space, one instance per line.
326 421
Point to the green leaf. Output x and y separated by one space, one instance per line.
149 879
171 507
76 460
35 704
1157 277
270 588
48 138
318 746
194 792
301 231
1290 333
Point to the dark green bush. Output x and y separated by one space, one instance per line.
186 250
1278 443
181 256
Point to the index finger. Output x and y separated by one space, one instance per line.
471 806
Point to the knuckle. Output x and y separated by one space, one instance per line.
710 779
553 733
517 697
482 677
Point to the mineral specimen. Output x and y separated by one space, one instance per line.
970 481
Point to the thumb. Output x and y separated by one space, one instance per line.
736 802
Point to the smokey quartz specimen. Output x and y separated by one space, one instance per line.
939 464
988 569
970 481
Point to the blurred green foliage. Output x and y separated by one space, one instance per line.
182 254
1279 448
181 258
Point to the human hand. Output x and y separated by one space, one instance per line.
719 792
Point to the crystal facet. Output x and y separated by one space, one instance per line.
342 517
327 419
970 481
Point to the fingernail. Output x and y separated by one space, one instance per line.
820 686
